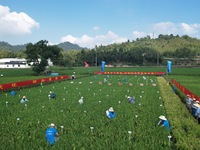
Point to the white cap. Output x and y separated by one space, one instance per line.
111 109
128 97
52 125
162 118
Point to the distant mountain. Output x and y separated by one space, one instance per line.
66 46
14 48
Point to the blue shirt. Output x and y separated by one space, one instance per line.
53 95
50 135
166 124
131 100
197 112
110 115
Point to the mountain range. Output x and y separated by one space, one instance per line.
66 46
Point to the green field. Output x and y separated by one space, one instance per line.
23 126
140 119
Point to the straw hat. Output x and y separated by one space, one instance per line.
188 95
194 99
111 109
162 118
50 92
197 102
24 97
52 125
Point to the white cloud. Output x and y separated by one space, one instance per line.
137 34
90 42
192 30
13 23
96 28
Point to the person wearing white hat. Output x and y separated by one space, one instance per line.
197 111
131 99
51 134
189 102
24 99
110 113
81 100
164 122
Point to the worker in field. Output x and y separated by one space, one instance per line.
52 95
73 77
197 114
24 99
110 113
13 93
51 134
164 122
189 102
194 106
131 99
80 101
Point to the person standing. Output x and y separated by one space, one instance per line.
189 102
51 134
164 122
110 113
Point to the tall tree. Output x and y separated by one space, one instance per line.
39 53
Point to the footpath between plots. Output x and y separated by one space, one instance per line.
184 127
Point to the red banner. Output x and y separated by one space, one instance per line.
184 90
31 82
131 73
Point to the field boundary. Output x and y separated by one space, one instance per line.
184 89
185 129
129 73
26 83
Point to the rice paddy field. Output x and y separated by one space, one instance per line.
86 126
134 127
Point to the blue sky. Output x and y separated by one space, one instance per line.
96 22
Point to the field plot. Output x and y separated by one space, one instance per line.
86 126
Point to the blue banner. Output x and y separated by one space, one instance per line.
102 65
169 66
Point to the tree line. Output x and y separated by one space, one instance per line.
144 51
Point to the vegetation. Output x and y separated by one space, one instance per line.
128 131
24 125
39 54
143 52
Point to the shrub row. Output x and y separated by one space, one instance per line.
185 129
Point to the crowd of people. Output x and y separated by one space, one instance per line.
193 107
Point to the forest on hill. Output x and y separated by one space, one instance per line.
181 50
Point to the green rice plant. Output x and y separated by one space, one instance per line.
86 126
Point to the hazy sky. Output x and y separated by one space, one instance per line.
96 22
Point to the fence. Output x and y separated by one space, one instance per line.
14 85
131 73
185 90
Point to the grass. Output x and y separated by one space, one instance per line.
77 119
